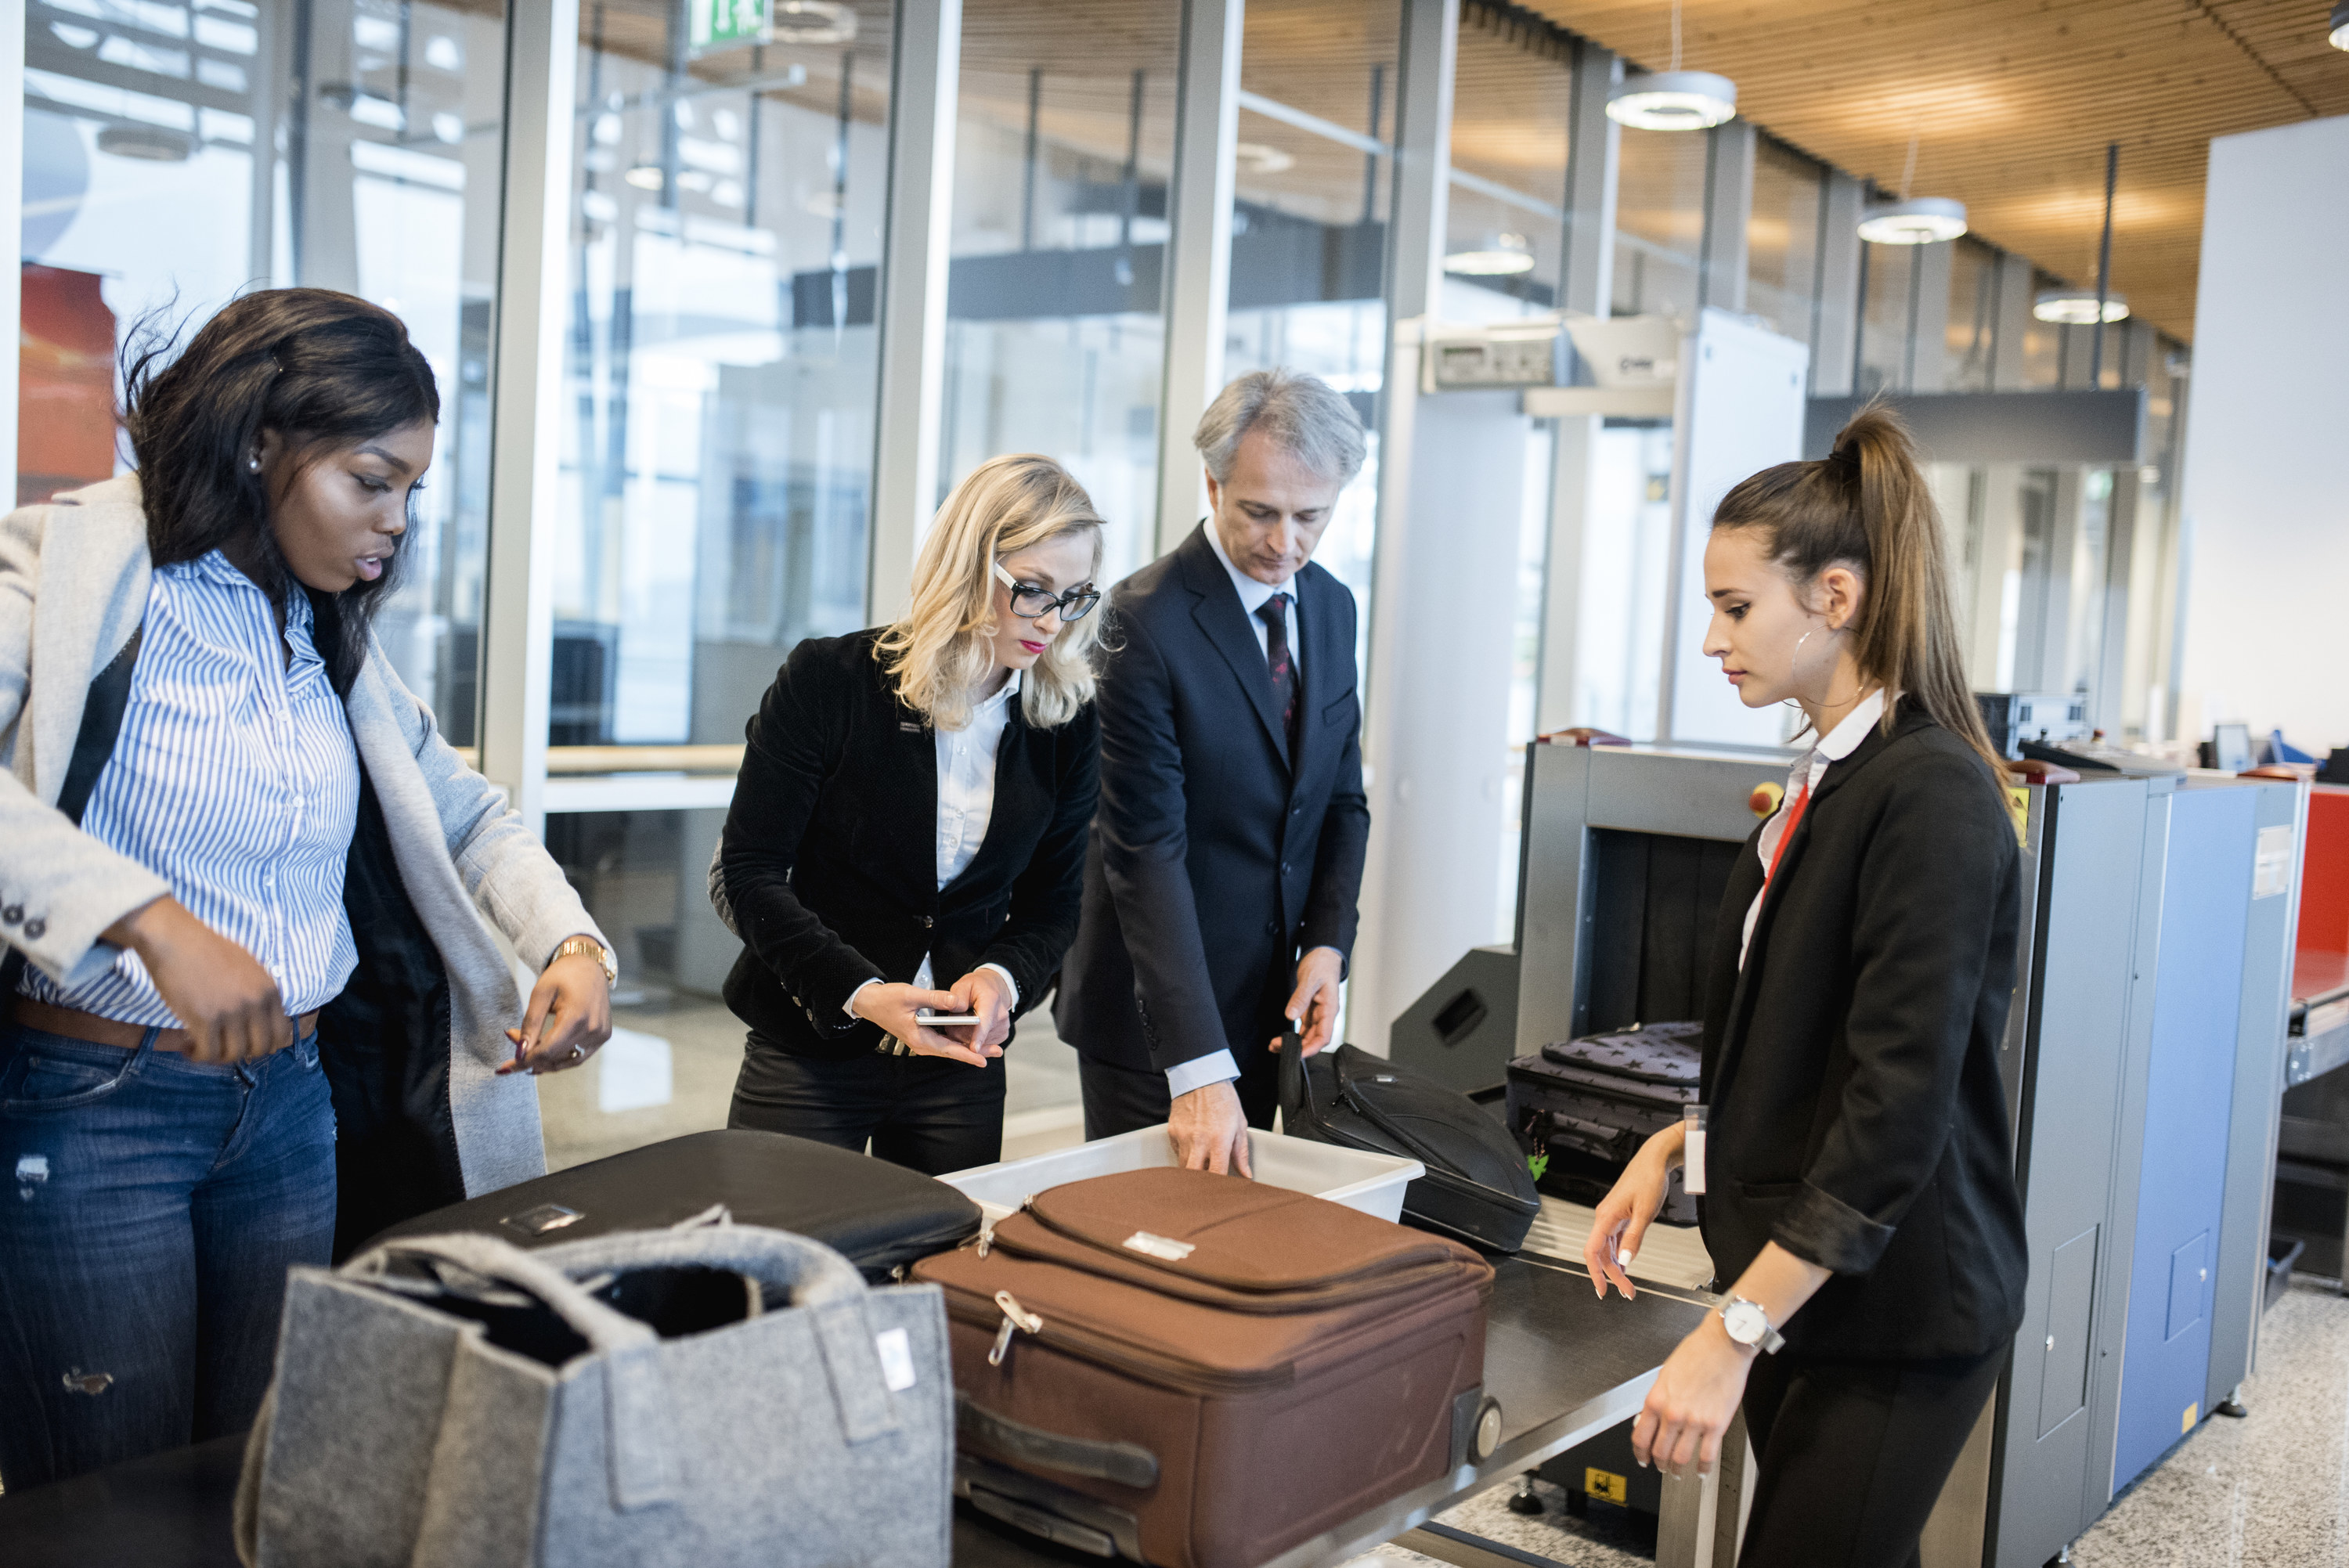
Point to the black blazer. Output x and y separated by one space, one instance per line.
830 854
1856 1113
1216 856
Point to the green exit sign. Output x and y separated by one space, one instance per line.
727 23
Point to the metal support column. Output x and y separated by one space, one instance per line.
1594 148
1397 740
925 76
1199 252
1927 362
526 399
1837 335
1728 209
2012 322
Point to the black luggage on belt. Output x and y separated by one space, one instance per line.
1588 1104
878 1214
1476 1189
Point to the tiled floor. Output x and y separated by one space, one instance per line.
2270 1490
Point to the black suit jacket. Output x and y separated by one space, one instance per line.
830 854
1857 1115
1216 856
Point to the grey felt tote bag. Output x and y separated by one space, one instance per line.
455 1402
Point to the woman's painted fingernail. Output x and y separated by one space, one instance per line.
1624 1258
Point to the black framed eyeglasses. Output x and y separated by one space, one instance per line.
1030 602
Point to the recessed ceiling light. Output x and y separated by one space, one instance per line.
2339 36
155 143
1501 256
1919 220
1673 101
814 22
2077 307
1261 159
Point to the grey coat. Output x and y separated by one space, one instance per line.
74 578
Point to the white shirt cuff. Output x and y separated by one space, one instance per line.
1216 1066
1009 983
849 1007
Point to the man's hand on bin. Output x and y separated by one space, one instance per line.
1209 1130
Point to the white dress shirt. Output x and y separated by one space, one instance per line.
235 780
966 805
1253 595
1801 780
1218 1066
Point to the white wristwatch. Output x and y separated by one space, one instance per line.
1749 1326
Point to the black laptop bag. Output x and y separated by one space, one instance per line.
1582 1108
877 1214
1477 1189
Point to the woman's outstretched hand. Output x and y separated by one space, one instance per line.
1692 1401
1629 1207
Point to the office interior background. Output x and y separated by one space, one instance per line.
724 298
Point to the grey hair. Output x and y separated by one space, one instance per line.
1313 423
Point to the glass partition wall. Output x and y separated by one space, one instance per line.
339 144
1055 321
726 209
1314 186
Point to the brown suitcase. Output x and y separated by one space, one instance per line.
1196 1371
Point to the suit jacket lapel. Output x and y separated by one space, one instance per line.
909 804
1220 616
1732 1033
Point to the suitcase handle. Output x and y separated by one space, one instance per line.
1095 1458
1296 1083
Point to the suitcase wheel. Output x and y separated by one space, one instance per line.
1489 1430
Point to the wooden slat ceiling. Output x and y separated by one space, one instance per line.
2012 102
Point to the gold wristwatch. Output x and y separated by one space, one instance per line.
571 944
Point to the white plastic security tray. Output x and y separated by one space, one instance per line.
1372 1184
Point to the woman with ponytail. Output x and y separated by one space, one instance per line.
1858 1188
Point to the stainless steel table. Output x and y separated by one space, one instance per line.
1563 1366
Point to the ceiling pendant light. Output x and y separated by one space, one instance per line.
1500 256
2100 306
2077 307
1912 220
1673 99
2339 36
1919 220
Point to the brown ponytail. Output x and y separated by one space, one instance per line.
1866 506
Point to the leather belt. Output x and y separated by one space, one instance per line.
75 1025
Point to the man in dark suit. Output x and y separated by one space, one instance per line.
1226 854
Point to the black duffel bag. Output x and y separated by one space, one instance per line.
878 1214
1477 1189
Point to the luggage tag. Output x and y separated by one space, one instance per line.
1693 1151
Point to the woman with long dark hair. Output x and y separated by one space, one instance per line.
1858 1188
248 968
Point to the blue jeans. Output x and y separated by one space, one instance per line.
150 1207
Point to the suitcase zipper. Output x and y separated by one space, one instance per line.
1164 1371
1016 1318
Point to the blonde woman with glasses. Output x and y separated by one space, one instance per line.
907 837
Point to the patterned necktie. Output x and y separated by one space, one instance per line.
1274 614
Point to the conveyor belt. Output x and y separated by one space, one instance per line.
1563 1366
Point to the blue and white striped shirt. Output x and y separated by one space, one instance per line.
235 780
